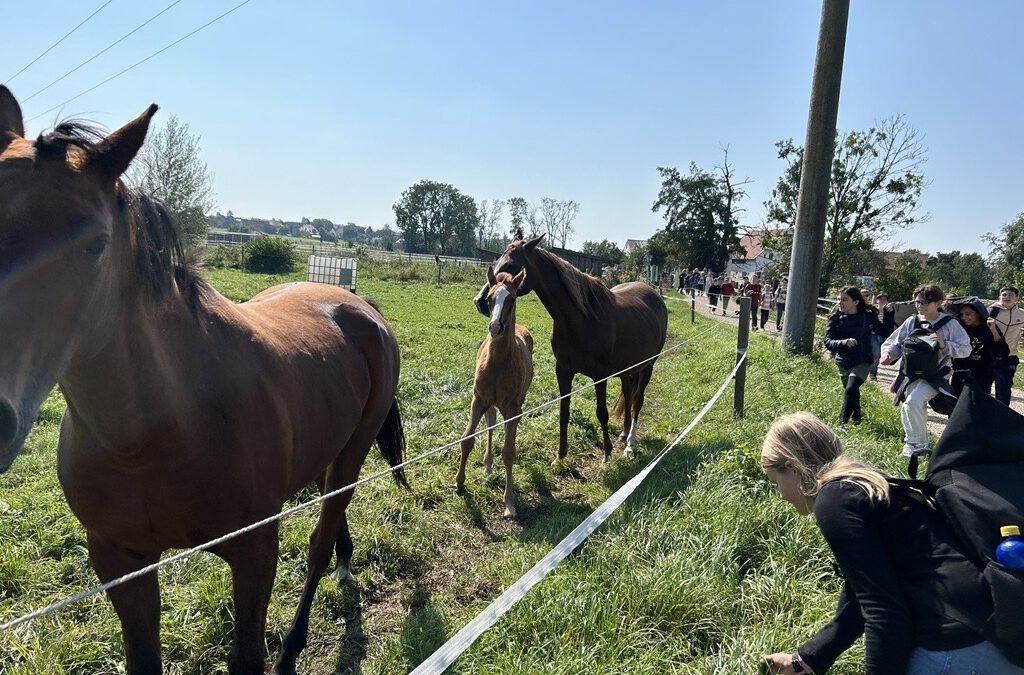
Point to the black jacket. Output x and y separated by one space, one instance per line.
860 326
905 576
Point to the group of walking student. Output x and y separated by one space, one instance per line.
933 569
720 290
942 346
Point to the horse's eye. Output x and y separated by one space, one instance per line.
97 245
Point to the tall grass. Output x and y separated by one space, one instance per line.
701 571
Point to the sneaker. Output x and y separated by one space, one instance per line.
911 450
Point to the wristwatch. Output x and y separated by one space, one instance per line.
798 663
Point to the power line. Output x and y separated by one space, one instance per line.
139 63
102 51
59 41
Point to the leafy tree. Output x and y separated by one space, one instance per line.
906 275
875 186
437 218
1006 253
960 273
604 249
171 169
488 233
556 218
701 215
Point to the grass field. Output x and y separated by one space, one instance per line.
701 571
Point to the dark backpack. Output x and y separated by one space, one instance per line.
976 479
920 353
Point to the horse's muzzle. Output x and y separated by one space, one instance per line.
481 300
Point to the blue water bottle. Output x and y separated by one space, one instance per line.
1010 552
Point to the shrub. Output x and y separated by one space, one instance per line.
269 255
225 257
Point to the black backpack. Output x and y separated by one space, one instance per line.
976 479
920 353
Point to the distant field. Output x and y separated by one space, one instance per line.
703 570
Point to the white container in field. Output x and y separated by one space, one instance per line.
334 271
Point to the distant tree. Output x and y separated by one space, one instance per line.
1006 253
875 186
961 273
388 237
604 249
700 211
490 216
906 274
437 218
517 207
171 169
556 218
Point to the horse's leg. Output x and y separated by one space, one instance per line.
476 411
322 541
638 402
253 561
491 419
508 456
628 385
564 387
601 394
136 602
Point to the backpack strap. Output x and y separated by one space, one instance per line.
912 484
941 321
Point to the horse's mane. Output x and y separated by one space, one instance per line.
157 250
584 290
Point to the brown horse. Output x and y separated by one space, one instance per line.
597 332
504 370
188 416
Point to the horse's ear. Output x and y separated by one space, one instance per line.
532 243
490 275
518 280
11 124
114 153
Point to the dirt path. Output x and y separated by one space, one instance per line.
886 374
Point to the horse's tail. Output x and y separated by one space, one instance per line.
391 442
619 409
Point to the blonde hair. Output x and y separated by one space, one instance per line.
803 442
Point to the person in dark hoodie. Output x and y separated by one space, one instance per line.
978 367
848 336
905 572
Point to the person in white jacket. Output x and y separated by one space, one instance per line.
952 343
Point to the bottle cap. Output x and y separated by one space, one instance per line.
1009 530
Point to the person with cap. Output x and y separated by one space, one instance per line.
1007 321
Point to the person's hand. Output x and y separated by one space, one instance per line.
884 360
888 307
851 342
938 340
991 321
780 663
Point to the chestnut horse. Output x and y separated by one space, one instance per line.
188 416
597 332
504 370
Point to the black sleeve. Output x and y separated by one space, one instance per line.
876 325
831 343
822 650
844 514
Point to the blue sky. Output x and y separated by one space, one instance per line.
331 109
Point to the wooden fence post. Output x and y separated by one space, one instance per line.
693 311
742 338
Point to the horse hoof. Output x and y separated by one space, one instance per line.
628 452
510 513
342 574
622 437
606 459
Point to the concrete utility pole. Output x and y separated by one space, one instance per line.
809 238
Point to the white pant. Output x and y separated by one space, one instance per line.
915 413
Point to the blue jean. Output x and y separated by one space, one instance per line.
980 659
1003 368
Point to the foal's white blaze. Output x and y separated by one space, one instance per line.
500 296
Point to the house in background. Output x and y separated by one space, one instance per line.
755 257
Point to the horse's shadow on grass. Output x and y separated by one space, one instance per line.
353 642
476 516
424 629
553 518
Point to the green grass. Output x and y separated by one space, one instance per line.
701 571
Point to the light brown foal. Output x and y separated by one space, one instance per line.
504 370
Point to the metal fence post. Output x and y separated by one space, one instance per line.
741 348
693 311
